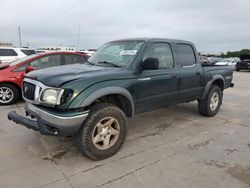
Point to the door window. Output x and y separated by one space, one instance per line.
72 59
43 62
161 51
47 61
7 52
186 54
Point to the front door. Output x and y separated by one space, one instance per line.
156 88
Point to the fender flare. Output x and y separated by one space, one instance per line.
108 91
209 84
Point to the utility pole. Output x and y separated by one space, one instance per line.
19 34
78 38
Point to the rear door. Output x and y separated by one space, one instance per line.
190 73
156 88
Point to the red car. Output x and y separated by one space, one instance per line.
11 75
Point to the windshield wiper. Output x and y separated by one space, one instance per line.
109 63
90 63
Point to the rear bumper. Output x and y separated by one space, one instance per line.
47 123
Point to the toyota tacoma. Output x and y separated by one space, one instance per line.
91 101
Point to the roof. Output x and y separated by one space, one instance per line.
61 52
9 47
244 57
147 39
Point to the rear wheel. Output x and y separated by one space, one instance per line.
103 132
237 67
9 94
211 104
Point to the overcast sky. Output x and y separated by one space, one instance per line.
213 25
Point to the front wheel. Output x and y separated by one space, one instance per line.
211 104
9 94
103 132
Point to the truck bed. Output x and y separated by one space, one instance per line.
225 71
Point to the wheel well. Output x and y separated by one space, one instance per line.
11 83
118 100
219 83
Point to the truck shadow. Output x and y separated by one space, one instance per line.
148 124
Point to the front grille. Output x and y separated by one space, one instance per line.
29 90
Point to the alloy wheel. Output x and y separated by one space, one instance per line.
106 133
6 95
214 102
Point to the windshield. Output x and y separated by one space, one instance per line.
22 59
118 53
28 52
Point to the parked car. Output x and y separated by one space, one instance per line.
92 101
8 54
244 64
88 52
228 61
204 59
237 59
213 60
11 75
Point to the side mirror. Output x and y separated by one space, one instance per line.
29 69
150 64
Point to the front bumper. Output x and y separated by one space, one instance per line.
48 123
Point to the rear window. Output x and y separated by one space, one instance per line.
7 52
28 52
186 53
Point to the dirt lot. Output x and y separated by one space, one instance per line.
170 147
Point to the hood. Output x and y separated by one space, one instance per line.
56 76
3 65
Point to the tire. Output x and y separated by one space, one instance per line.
94 129
9 94
206 108
237 67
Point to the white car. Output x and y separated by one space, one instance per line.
228 61
88 52
9 54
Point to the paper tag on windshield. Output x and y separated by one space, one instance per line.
128 52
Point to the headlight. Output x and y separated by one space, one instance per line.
52 96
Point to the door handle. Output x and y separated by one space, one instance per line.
174 76
197 73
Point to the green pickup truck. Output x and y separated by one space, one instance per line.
91 101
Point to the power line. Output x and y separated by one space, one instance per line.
59 13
